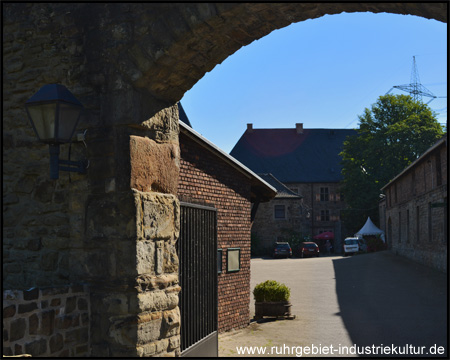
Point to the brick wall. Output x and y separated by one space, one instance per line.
52 322
416 211
206 179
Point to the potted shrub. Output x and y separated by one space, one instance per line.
272 299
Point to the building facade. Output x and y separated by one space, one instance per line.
307 162
279 219
211 177
414 212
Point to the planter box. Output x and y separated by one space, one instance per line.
273 309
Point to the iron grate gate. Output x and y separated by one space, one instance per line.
197 252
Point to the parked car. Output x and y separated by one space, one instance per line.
351 246
282 249
308 249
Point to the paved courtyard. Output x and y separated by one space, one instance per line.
380 300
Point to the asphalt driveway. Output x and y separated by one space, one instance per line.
379 302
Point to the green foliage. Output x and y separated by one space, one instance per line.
294 238
391 135
271 290
375 244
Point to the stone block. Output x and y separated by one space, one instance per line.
149 328
157 300
71 304
77 336
9 311
123 330
56 343
82 304
112 216
159 214
31 294
47 322
174 342
33 324
82 350
146 350
116 304
55 302
18 349
154 167
171 323
49 261
24 308
36 348
145 257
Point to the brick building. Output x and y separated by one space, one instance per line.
414 212
210 177
306 161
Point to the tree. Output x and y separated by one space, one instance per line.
391 135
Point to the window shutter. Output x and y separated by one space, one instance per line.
331 197
318 218
338 197
317 197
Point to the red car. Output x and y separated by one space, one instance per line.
309 249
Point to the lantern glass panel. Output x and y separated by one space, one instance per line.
68 119
43 117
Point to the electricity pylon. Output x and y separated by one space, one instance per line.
415 88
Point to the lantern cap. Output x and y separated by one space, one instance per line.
53 92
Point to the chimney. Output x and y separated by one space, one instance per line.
299 128
250 128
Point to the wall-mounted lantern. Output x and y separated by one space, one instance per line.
54 114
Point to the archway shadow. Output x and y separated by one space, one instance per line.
386 300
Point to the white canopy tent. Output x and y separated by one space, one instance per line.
369 228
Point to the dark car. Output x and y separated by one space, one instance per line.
308 249
282 249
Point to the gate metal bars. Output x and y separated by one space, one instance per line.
197 253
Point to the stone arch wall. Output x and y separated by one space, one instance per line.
128 64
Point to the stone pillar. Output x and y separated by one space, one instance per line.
133 227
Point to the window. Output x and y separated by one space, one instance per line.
233 259
324 215
280 212
219 260
324 195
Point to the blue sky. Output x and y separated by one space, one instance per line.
320 72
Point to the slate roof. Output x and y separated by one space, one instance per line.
311 156
283 192
183 116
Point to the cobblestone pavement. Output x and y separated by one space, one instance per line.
366 300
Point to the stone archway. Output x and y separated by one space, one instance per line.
128 63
